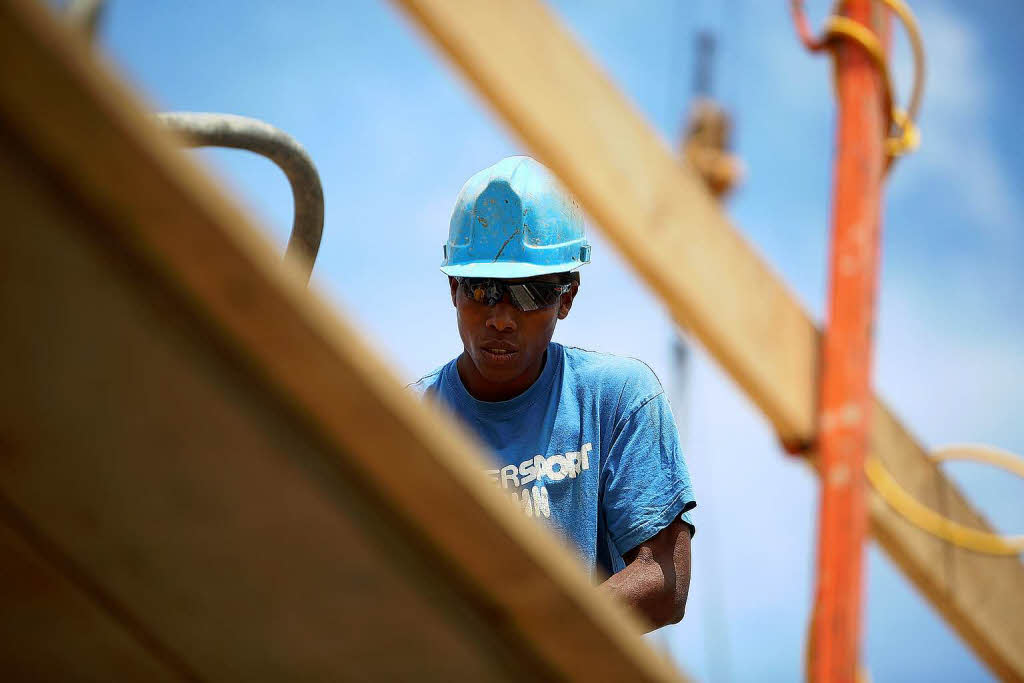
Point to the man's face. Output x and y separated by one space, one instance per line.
504 345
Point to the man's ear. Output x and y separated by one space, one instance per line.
566 302
454 287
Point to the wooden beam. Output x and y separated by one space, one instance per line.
565 109
217 461
50 629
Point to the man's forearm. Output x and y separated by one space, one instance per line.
647 593
656 579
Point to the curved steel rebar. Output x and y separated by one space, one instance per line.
240 132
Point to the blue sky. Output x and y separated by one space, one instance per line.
395 133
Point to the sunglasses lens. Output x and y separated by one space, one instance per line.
526 296
485 292
531 296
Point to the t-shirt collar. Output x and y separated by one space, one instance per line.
540 387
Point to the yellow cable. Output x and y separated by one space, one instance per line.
902 10
909 137
932 522
996 457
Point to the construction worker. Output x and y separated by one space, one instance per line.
584 441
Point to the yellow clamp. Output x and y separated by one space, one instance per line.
904 136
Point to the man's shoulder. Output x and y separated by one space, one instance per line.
622 377
602 365
429 383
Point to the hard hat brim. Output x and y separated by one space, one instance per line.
507 270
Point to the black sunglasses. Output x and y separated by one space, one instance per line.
527 296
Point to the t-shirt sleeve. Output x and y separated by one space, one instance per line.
427 385
645 482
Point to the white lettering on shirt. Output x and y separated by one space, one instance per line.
509 474
534 500
526 473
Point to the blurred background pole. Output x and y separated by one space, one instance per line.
845 399
706 146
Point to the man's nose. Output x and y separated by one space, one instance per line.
502 317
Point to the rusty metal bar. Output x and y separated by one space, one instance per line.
845 390
240 132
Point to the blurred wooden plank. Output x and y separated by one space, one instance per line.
656 212
203 506
50 630
219 453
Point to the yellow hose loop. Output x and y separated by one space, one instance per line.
988 455
902 11
935 524
904 136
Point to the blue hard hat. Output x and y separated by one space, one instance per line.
513 220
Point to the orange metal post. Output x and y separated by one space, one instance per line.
846 361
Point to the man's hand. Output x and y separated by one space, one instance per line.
656 578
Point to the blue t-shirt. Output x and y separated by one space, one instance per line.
590 448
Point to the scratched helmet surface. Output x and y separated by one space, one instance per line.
513 220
